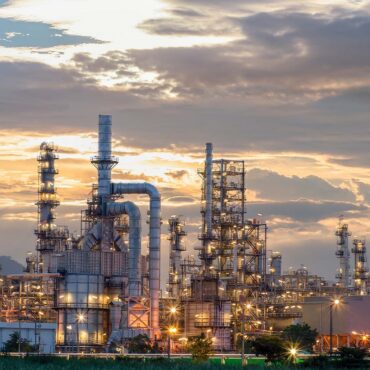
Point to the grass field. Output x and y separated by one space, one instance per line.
55 363
47 363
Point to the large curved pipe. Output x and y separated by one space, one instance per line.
154 241
134 257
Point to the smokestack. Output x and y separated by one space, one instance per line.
105 155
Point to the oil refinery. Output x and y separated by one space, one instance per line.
98 290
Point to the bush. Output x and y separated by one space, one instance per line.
301 334
352 356
16 343
140 344
201 348
271 346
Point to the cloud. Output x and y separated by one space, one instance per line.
186 25
363 190
19 33
270 185
113 61
304 210
177 175
295 57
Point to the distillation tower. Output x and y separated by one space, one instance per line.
361 270
50 237
177 246
343 254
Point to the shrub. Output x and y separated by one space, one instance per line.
301 334
271 346
200 348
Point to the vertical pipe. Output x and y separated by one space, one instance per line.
331 329
208 176
208 210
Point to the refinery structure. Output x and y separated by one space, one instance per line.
100 290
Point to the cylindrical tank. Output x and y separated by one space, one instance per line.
82 305
275 265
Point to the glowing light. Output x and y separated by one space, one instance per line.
172 330
173 310
81 317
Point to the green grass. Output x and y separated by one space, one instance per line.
54 363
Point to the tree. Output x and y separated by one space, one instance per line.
140 344
15 342
201 348
352 354
271 346
301 334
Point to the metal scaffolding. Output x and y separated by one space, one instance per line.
361 270
343 254
177 245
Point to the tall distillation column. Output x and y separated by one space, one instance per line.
361 270
343 275
206 253
176 238
49 236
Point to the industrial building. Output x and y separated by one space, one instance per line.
100 290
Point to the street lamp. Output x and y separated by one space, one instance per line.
171 330
335 303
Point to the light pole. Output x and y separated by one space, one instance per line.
335 303
244 362
171 330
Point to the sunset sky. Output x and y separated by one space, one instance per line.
283 84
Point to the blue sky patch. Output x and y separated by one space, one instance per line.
15 33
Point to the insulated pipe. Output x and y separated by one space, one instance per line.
104 156
134 265
154 241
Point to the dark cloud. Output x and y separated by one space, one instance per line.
17 33
74 101
303 210
183 12
271 185
113 61
291 57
